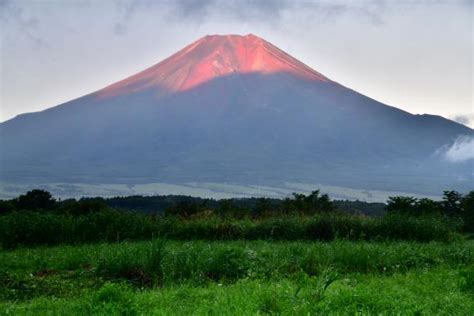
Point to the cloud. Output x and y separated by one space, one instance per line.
465 119
126 11
193 8
199 11
12 12
462 149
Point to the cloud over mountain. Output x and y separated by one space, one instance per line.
465 119
462 149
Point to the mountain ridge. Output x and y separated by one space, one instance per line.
183 122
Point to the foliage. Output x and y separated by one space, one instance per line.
35 200
186 206
453 205
339 277
360 207
33 228
468 207
310 217
251 256
402 205
185 209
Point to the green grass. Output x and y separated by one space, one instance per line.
239 277
201 261
435 292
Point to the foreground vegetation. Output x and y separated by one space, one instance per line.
302 255
31 228
37 219
236 277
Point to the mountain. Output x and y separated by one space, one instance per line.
233 109
212 57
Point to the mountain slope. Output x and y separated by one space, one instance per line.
233 109
212 57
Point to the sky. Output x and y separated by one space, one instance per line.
415 55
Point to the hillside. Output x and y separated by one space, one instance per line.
233 109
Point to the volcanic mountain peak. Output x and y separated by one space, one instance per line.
214 56
240 111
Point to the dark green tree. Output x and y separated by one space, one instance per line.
468 211
402 204
287 206
86 206
227 208
224 208
427 206
35 200
310 204
452 204
299 203
6 206
185 208
318 203
262 207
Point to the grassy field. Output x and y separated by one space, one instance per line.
299 256
240 277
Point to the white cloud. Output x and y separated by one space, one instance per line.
461 150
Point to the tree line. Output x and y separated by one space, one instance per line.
452 205
185 206
37 218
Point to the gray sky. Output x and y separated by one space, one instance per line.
415 55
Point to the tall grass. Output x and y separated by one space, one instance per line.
33 228
164 263
139 265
